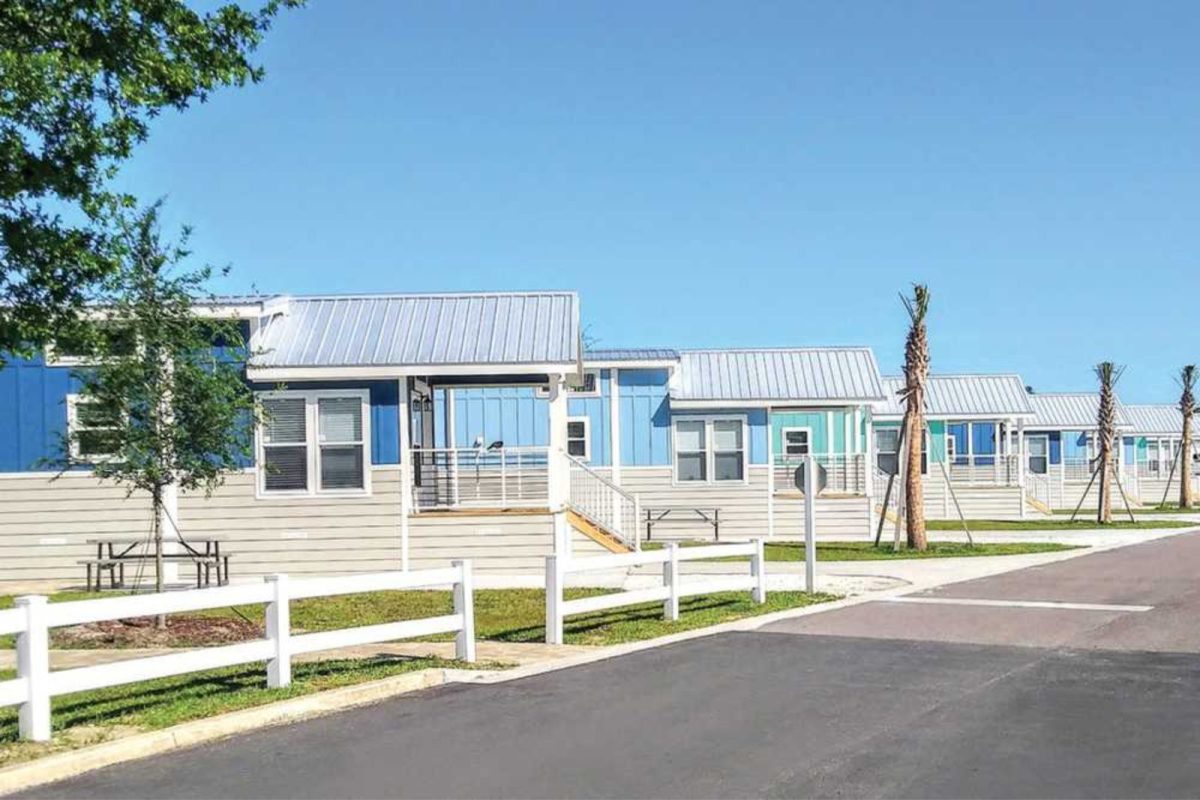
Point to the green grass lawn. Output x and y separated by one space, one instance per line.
1169 508
96 716
867 551
1119 523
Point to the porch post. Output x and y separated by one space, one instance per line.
614 424
869 472
1022 461
770 476
404 409
557 476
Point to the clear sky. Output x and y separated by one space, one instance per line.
729 174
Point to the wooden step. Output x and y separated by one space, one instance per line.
596 533
1039 505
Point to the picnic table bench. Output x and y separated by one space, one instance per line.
112 554
660 514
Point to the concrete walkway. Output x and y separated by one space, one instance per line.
505 652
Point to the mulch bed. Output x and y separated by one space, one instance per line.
181 631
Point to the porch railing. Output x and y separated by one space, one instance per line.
984 470
465 478
602 502
839 474
1038 487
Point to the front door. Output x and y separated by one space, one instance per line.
1039 454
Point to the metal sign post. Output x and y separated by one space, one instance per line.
810 523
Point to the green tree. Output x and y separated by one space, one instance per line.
79 84
163 404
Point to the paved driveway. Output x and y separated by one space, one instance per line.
944 699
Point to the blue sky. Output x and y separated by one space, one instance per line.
729 174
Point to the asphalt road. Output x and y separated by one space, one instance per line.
938 699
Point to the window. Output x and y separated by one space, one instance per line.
710 450
797 441
887 445
1039 454
91 429
315 442
578 440
951 448
586 385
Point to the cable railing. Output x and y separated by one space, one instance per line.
837 474
984 469
602 502
464 478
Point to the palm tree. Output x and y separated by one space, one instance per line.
1187 407
1106 430
916 372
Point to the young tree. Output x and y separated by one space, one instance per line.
164 400
916 373
1106 432
79 83
1187 407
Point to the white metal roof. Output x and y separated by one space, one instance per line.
962 397
797 375
510 328
1164 420
599 354
1070 411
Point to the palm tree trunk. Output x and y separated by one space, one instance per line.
1106 432
916 372
914 492
1187 407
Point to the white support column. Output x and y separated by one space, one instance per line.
558 477
770 476
1023 462
406 468
758 570
614 425
33 665
997 442
279 633
869 471
554 588
671 581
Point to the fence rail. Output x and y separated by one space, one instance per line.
34 617
672 589
603 502
504 477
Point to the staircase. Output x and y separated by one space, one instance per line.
1037 493
601 510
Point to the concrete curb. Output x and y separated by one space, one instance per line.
68 764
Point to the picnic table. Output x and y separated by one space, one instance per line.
113 553
660 514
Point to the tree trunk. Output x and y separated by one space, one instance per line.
160 621
914 496
1185 464
1104 508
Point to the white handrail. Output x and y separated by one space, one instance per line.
33 618
601 501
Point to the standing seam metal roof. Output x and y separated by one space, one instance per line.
1161 419
783 375
962 395
1070 411
631 354
420 330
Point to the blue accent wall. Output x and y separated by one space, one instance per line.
645 418
33 413
1056 448
1074 444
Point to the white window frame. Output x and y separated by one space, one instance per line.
709 450
576 390
74 400
587 436
808 440
313 445
1029 455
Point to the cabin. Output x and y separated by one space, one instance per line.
973 449
1063 434
1151 453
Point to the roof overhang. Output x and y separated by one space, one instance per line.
480 371
632 364
769 404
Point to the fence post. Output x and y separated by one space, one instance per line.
671 580
464 604
33 664
554 587
279 631
758 569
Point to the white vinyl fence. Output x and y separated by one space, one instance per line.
673 587
33 618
